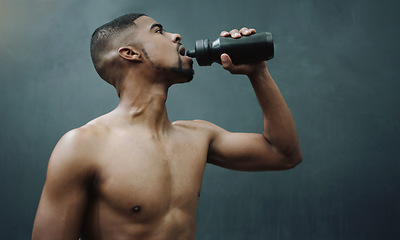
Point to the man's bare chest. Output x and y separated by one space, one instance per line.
143 174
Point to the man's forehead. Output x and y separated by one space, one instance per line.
145 22
142 24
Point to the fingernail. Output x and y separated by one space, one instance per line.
224 58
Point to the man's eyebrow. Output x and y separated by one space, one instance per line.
156 25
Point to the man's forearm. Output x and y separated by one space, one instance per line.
279 126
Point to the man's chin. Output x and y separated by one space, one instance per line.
184 75
188 74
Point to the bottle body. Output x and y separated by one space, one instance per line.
247 49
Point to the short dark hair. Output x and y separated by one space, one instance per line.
101 39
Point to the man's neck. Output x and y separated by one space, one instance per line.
144 105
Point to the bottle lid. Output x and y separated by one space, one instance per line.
191 53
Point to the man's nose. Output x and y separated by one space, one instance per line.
176 37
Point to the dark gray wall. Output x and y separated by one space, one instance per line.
336 63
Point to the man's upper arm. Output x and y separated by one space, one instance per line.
247 152
65 193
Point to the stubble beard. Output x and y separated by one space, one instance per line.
187 74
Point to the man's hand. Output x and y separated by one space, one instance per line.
246 69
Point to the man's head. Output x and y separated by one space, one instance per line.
135 39
104 42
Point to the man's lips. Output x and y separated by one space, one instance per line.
181 50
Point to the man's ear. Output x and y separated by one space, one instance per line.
130 53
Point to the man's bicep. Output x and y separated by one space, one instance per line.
59 217
246 152
64 198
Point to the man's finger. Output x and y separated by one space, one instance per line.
245 31
226 61
224 34
235 33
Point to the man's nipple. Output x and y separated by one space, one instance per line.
136 209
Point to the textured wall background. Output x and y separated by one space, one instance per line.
336 63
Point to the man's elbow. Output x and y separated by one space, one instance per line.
294 159
289 159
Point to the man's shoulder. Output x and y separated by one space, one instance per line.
89 132
82 140
75 156
197 124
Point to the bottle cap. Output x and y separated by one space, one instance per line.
191 53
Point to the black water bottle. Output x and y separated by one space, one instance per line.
247 49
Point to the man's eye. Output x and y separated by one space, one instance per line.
159 31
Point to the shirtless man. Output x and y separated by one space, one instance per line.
133 174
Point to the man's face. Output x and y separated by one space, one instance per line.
163 50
